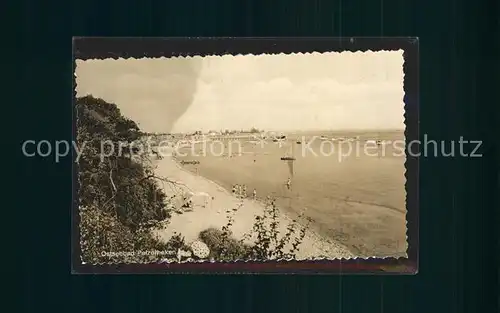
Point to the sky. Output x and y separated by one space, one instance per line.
329 91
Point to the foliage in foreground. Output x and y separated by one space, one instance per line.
222 247
104 239
267 242
120 194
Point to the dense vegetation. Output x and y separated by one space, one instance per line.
121 201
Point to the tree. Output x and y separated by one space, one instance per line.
118 188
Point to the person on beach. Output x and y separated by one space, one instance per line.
187 203
234 190
289 183
268 200
254 193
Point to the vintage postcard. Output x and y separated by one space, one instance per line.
235 158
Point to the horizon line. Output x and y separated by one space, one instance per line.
295 130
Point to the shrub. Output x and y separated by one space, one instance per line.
268 243
176 242
223 247
103 239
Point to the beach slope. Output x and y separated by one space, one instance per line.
215 213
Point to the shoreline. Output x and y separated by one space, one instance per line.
191 223
331 234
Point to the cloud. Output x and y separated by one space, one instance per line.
153 92
332 90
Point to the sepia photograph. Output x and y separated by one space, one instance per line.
226 158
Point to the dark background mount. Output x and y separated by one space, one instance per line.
459 197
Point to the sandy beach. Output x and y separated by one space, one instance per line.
190 224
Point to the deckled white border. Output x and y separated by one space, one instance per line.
316 259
